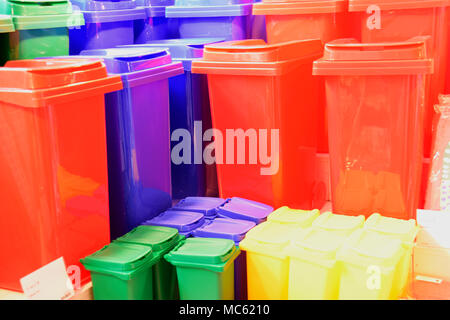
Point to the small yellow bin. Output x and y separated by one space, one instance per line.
368 262
313 271
405 231
337 223
293 217
267 264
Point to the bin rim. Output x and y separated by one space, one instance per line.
208 229
238 208
114 15
194 204
74 19
296 216
234 10
194 220
299 7
6 23
362 5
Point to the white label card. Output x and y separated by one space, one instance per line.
49 282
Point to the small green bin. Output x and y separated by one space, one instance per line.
6 27
161 240
122 272
41 27
205 268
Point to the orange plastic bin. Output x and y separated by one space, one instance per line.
290 20
375 98
400 20
260 88
53 169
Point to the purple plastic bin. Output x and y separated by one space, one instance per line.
204 205
227 21
235 230
184 221
108 24
238 208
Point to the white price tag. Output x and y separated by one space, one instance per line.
49 282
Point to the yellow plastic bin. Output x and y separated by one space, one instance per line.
368 262
293 217
405 231
313 268
337 223
267 264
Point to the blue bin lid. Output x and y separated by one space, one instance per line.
184 221
137 64
225 228
181 49
238 208
233 10
103 11
203 205
154 3
199 3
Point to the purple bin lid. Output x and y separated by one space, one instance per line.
183 221
204 205
225 228
238 208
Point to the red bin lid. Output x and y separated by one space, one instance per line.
362 5
348 57
289 7
256 57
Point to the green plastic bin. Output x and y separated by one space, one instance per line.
6 27
41 27
122 271
161 240
205 268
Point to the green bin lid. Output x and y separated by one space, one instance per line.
158 238
118 257
206 251
6 24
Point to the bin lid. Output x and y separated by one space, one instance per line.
316 245
48 21
364 249
39 8
405 230
181 49
286 215
137 65
6 24
256 57
37 83
362 5
157 237
288 7
154 3
233 10
194 3
204 205
338 222
225 228
118 257
238 208
269 238
203 251
104 5
183 221
348 57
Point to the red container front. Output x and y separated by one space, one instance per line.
53 169
375 96
400 20
266 88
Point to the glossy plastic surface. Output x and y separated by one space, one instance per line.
53 164
402 20
375 94
138 135
184 221
243 209
205 205
268 95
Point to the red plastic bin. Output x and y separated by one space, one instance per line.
290 20
400 20
53 165
375 98
254 86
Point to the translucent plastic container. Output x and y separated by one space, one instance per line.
337 223
273 84
53 164
155 26
293 217
375 94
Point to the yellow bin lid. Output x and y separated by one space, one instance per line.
294 217
404 230
338 223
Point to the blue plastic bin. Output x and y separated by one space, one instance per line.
184 221
137 129
189 102
234 230
239 208
227 19
107 24
155 26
